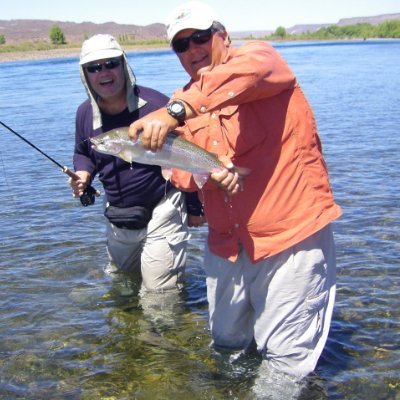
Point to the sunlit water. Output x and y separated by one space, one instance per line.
67 331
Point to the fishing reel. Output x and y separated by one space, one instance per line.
89 196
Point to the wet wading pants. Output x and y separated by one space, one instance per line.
159 250
284 303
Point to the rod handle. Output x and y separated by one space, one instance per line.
76 177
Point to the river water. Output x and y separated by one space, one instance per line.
68 332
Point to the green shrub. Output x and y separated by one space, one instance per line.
57 35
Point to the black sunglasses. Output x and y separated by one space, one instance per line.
109 64
199 37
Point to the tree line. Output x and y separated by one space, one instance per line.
389 29
56 36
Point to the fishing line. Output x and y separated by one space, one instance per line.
89 194
6 177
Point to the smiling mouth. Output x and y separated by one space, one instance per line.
106 82
200 60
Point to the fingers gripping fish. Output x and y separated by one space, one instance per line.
176 153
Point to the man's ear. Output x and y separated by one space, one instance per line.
227 39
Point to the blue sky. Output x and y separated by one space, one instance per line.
235 14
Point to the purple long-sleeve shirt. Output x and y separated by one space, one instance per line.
125 184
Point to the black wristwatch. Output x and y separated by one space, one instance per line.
176 109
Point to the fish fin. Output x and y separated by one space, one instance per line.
201 179
166 173
126 156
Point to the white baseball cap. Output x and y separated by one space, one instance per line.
99 47
190 15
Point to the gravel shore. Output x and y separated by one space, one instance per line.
38 54
60 53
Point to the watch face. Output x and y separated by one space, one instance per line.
176 108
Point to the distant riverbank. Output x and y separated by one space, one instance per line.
34 54
61 53
74 51
38 54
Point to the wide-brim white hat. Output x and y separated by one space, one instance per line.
99 47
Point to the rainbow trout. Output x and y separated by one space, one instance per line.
176 153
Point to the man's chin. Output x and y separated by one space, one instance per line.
200 71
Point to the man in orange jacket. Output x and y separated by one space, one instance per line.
270 259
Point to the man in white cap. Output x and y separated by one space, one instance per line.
270 258
145 216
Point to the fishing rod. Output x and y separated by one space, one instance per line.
89 194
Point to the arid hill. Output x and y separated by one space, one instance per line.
20 30
297 29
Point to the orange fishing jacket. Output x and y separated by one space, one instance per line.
252 109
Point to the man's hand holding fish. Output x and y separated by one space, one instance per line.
154 128
227 179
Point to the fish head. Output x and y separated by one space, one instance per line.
106 145
117 142
110 142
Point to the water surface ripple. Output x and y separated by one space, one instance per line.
67 331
